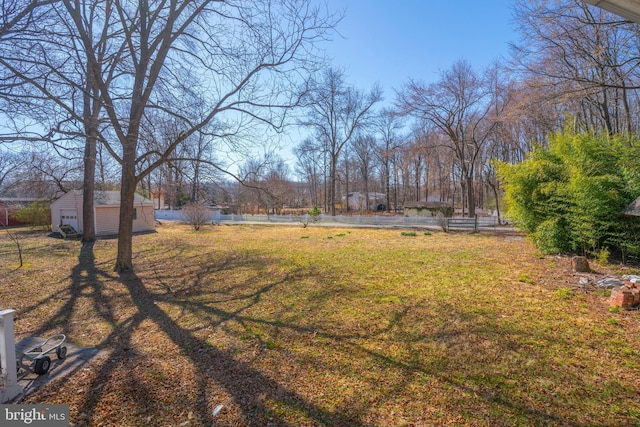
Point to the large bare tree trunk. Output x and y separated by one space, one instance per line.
387 185
332 186
88 190
91 113
346 175
471 200
124 259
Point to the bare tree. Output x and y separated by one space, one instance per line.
10 164
363 150
417 153
311 167
50 178
278 184
237 61
252 194
48 81
335 112
388 125
42 176
582 58
459 106
196 215
16 240
266 184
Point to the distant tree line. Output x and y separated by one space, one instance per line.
574 65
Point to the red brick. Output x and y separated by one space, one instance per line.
625 297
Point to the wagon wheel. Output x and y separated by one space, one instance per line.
42 365
61 352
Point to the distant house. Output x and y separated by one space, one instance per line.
9 207
68 210
427 209
633 209
159 201
360 201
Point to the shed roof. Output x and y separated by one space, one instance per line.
633 208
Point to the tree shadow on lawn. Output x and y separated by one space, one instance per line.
357 406
86 281
248 386
250 389
354 409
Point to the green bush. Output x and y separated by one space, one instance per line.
570 195
552 236
602 257
312 217
314 214
38 214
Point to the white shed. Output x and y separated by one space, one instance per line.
68 210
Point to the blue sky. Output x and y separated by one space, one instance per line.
389 41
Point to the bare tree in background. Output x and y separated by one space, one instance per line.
49 178
336 111
458 105
10 164
311 166
278 184
363 151
196 215
388 125
265 185
583 58
417 152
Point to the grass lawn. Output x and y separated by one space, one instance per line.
326 326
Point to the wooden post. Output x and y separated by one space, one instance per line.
9 387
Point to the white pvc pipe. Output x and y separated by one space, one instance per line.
9 387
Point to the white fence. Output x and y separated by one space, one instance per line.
375 220
178 215
399 221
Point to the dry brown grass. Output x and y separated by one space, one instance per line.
322 326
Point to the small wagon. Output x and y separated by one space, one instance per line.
35 358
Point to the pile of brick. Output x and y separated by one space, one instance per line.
627 296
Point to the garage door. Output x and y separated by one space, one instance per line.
69 217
